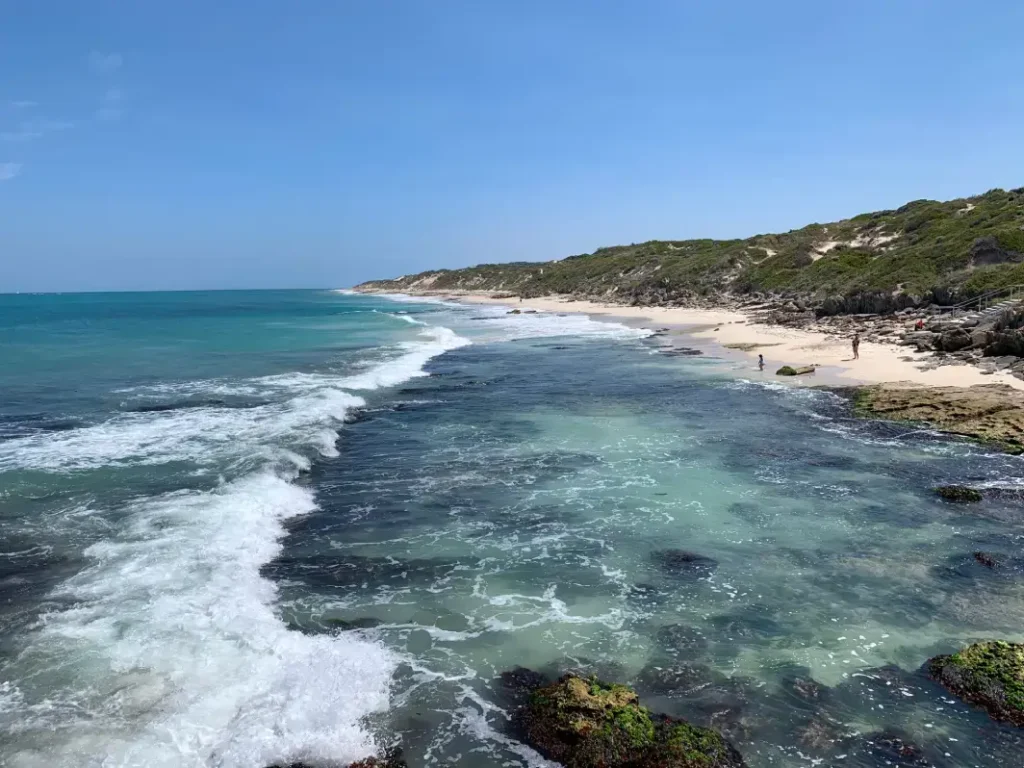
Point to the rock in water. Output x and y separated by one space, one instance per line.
989 675
984 558
517 683
589 724
890 748
679 562
788 370
392 759
960 494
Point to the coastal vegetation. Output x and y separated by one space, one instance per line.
925 251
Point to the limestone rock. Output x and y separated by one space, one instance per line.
954 340
923 340
993 412
981 338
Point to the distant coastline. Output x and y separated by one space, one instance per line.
961 399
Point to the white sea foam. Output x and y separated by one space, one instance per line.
174 645
533 325
201 435
407 318
407 299
437 340
172 654
210 434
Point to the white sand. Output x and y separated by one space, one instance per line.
878 363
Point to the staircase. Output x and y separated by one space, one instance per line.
991 313
981 310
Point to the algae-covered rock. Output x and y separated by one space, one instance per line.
590 724
959 494
788 370
989 675
992 413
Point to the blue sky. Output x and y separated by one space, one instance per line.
320 143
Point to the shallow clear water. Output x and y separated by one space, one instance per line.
187 515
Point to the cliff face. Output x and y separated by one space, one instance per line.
925 251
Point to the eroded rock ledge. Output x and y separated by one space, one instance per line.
993 413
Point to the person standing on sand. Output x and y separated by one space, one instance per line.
856 346
760 362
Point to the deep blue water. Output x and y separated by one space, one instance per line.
198 490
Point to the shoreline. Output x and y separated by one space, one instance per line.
959 400
733 336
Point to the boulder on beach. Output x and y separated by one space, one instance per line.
788 370
989 675
923 340
954 340
590 724
959 494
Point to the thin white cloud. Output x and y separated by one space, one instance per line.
9 170
105 63
22 104
34 129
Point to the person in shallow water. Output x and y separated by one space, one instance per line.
760 362
856 346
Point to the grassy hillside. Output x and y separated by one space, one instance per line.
924 251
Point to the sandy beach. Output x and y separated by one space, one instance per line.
732 335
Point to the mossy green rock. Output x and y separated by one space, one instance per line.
989 675
589 724
960 494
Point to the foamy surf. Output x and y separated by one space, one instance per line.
172 653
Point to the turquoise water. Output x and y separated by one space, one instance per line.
197 489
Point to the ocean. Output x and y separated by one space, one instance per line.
240 529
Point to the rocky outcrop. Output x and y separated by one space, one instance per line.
924 341
989 675
987 251
589 724
959 494
992 413
998 343
869 303
953 341
788 370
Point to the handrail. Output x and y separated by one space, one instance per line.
1011 289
